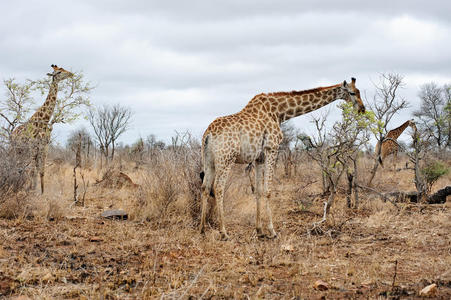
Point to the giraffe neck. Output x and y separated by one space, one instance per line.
45 112
395 133
284 106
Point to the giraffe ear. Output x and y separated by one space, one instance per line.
345 84
49 74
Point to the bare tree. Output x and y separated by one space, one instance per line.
434 115
286 153
317 145
82 137
416 156
385 105
109 123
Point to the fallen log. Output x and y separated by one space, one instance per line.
440 195
394 197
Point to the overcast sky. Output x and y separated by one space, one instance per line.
181 64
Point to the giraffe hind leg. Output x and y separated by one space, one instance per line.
219 188
270 159
258 184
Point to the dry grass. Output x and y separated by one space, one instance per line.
63 251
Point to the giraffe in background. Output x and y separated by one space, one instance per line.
37 130
389 144
253 135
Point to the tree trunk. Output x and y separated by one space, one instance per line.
376 162
349 189
354 185
420 183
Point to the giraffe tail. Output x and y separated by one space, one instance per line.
203 157
207 173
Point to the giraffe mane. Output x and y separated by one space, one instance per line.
297 93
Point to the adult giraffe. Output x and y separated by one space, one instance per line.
37 130
254 135
390 145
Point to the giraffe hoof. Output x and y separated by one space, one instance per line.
224 236
260 233
272 236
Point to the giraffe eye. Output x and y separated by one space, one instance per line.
352 93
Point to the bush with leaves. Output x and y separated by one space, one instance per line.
432 172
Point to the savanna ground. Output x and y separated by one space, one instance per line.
54 249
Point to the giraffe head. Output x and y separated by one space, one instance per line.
352 94
412 124
59 73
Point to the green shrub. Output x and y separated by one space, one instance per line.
432 172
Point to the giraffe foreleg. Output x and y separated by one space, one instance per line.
34 170
41 168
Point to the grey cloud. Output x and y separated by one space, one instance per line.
179 64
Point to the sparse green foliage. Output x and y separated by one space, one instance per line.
16 107
432 172
73 96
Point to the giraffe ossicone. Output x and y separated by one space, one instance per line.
253 135
37 130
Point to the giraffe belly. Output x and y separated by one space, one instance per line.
250 150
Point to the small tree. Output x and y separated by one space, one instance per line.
416 156
434 115
385 105
73 95
82 137
136 152
109 123
318 145
432 172
286 154
79 142
337 152
16 106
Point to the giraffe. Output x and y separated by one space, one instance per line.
253 135
389 144
37 129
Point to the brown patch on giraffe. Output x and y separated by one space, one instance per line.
292 102
283 106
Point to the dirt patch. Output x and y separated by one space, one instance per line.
116 179
89 256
